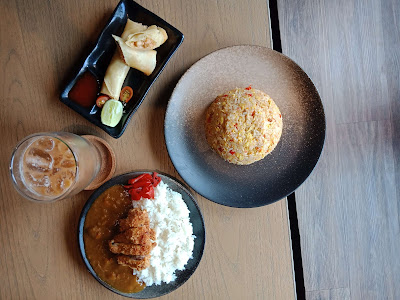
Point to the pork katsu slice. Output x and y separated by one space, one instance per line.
136 218
133 234
130 249
136 235
135 240
152 234
133 262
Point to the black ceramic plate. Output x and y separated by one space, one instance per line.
280 172
196 219
98 60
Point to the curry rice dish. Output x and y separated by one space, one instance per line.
136 243
243 125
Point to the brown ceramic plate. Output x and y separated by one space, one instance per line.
279 173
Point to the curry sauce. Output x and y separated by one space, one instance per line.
101 225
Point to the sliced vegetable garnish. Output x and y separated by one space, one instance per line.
111 113
156 179
126 94
142 186
101 100
140 177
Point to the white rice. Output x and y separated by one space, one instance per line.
169 217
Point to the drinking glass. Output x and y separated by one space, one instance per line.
50 166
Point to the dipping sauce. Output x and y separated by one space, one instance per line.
101 226
85 90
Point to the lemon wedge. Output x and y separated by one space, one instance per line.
111 113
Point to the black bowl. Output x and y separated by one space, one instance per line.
196 219
99 58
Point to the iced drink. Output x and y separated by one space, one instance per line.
48 167
51 166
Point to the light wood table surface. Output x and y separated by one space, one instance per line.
349 208
247 253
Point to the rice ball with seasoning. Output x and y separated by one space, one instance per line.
243 125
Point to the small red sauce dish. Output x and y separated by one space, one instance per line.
85 90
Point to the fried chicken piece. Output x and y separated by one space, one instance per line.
136 235
135 241
152 234
134 262
130 249
136 218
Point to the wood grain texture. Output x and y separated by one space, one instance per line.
333 294
247 254
348 210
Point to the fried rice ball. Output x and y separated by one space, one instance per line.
243 125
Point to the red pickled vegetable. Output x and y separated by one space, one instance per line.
143 186
147 192
134 194
156 179
142 183
140 177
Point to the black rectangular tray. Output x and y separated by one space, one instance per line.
99 58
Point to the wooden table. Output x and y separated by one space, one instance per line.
349 208
247 254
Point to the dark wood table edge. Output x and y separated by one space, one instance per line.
300 292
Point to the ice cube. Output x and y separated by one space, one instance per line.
37 180
34 167
50 191
46 143
67 183
55 171
68 154
70 174
62 184
30 179
45 181
57 160
59 186
62 147
68 163
36 152
39 160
